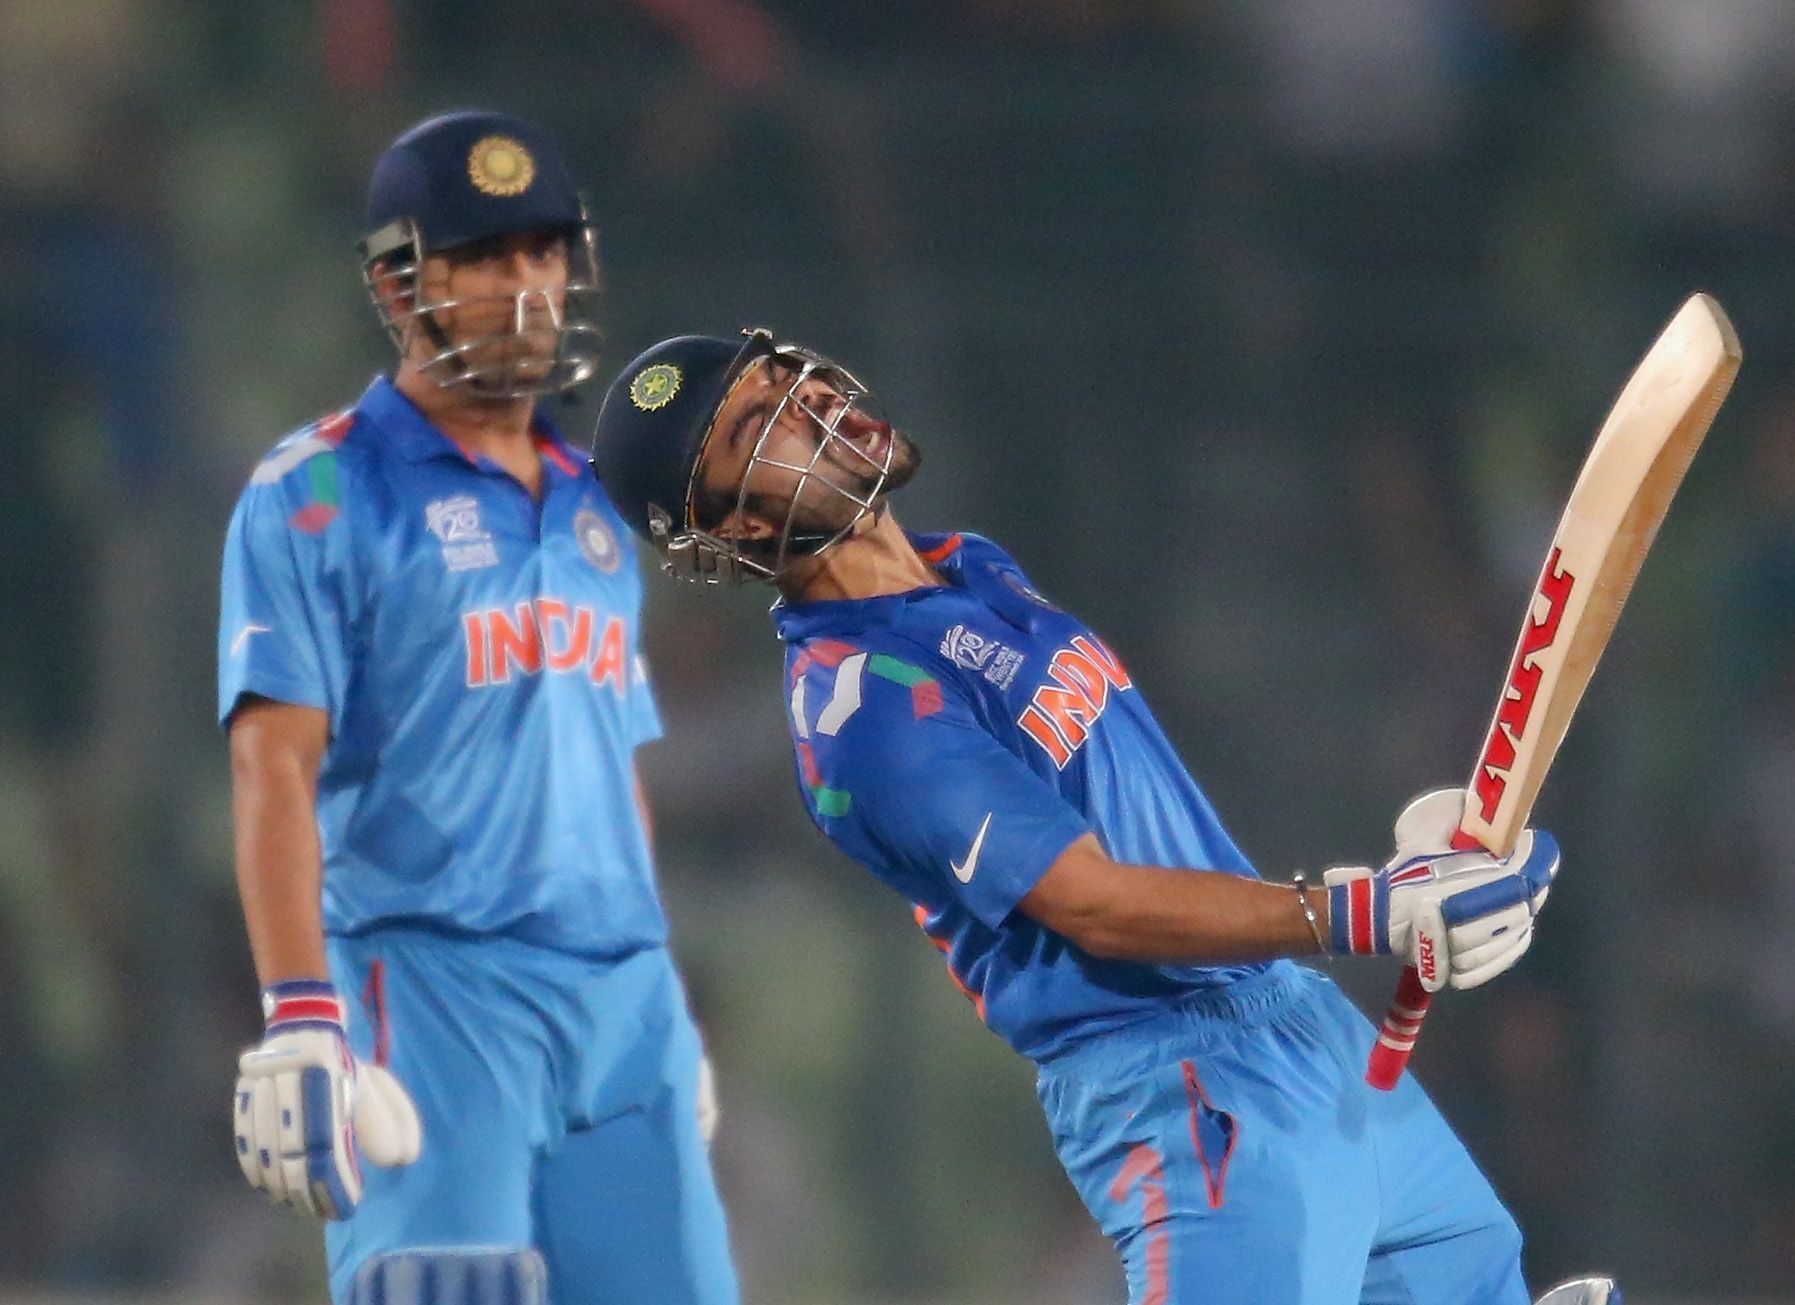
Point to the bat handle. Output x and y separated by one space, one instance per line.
1402 1022
1402 1025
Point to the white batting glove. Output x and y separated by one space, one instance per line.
710 1114
1458 917
305 1106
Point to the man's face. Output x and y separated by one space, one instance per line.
506 300
795 456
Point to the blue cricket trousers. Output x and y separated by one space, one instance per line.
559 1103
1232 1151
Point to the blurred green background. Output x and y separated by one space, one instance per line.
1268 334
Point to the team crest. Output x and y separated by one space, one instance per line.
467 544
499 165
596 540
654 387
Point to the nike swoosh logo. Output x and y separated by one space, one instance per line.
243 636
964 872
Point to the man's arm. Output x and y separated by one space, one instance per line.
1169 917
276 750
643 810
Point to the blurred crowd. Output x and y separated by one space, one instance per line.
1267 333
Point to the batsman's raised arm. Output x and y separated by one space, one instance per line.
1463 917
940 805
1146 913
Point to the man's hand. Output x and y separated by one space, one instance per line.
305 1106
1458 917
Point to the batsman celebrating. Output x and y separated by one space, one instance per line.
990 758
428 667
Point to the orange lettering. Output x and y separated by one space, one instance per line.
610 665
552 611
1079 673
476 649
1069 711
1061 718
1105 660
1041 730
521 643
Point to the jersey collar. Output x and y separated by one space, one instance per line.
798 622
966 562
417 440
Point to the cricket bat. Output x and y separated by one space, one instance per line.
1620 498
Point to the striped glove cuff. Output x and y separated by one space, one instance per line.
1359 915
301 1003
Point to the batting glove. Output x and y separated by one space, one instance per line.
305 1106
1458 917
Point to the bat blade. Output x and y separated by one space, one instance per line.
1613 514
1639 457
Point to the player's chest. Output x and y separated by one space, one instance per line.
474 570
1051 683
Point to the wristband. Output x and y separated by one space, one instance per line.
1359 915
301 1003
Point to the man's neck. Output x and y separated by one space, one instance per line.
474 422
876 561
496 429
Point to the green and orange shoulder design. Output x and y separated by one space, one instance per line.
315 450
847 690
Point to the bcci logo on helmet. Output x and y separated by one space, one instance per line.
654 387
498 165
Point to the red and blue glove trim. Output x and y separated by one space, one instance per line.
1359 916
300 1004
287 1007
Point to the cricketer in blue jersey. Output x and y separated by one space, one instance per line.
429 665
992 759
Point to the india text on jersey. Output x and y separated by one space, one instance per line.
547 633
1062 713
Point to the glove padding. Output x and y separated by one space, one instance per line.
710 1114
1458 917
305 1107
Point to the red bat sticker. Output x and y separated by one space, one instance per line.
1523 687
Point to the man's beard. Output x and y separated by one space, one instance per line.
826 508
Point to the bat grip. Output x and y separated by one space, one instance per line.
1402 1022
1402 1025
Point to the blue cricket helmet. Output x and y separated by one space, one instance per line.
652 425
651 433
468 176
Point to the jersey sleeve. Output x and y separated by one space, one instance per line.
283 630
910 783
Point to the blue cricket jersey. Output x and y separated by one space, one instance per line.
477 652
955 740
